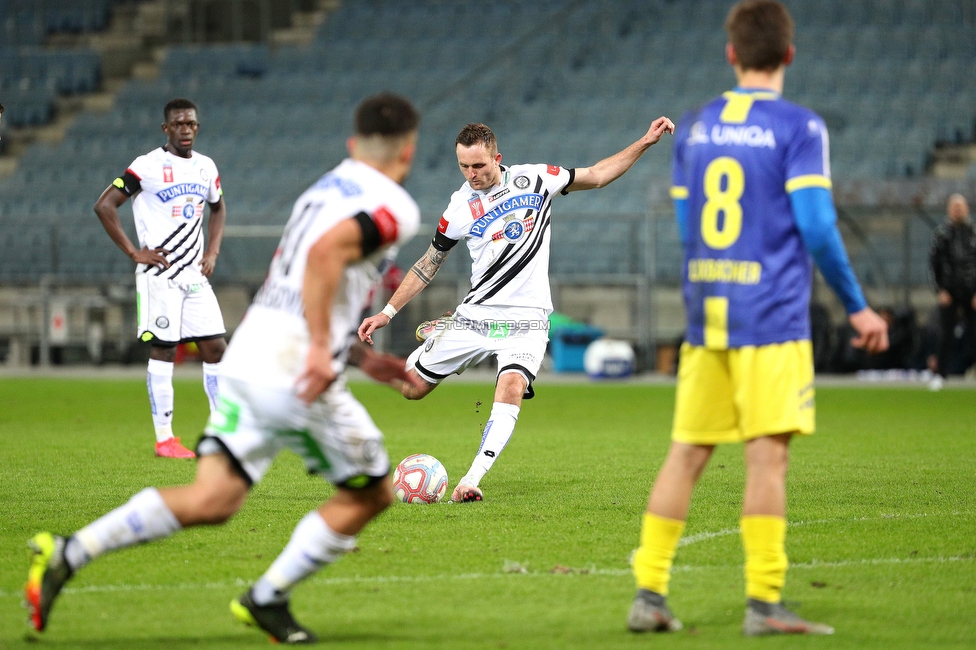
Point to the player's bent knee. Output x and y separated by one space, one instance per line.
692 458
217 506
411 392
165 353
382 500
212 350
510 388
376 495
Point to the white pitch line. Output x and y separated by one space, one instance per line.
816 564
241 583
591 571
712 534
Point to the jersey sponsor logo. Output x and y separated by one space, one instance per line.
204 176
553 169
442 226
183 189
167 174
332 181
732 135
387 225
499 194
217 183
521 202
698 134
521 182
477 210
162 322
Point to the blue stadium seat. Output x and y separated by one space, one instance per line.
889 76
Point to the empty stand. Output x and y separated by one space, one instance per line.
560 81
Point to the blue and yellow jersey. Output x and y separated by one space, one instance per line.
747 275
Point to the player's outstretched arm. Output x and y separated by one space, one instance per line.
107 209
416 280
610 169
327 260
215 235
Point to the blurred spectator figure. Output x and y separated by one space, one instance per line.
953 262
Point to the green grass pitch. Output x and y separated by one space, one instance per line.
882 536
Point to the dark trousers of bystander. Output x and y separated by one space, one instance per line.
960 311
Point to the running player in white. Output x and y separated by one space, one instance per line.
503 214
281 387
175 302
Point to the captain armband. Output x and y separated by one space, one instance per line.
442 242
128 183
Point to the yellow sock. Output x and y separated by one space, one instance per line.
652 562
764 537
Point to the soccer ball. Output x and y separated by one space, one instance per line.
420 478
606 358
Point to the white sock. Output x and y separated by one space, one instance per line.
312 546
160 383
498 431
210 384
144 518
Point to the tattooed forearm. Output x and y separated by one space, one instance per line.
427 266
418 270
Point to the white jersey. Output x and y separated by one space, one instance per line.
506 229
170 193
270 346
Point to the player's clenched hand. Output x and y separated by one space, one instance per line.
872 331
208 263
152 257
372 324
659 127
318 375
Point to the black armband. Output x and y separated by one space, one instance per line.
572 177
371 234
128 183
442 242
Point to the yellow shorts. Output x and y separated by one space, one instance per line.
743 393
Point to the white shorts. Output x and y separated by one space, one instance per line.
467 342
335 437
169 312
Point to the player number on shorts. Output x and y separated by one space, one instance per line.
728 172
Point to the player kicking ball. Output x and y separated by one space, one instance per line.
503 213
280 387
751 187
